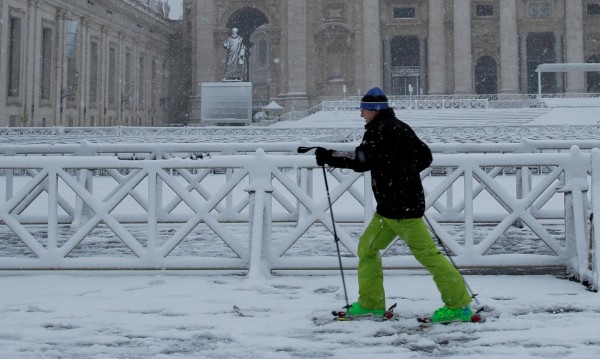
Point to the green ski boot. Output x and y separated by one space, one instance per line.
447 315
355 310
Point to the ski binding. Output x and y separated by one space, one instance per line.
343 316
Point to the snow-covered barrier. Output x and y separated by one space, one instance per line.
258 212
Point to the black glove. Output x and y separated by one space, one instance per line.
323 155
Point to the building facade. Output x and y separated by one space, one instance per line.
123 62
305 51
85 62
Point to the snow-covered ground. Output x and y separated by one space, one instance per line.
180 314
190 315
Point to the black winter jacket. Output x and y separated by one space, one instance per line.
394 154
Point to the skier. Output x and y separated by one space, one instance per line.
394 154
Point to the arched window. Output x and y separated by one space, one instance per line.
247 20
486 81
593 78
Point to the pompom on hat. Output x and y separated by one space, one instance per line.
374 100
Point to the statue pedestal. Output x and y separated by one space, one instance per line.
226 103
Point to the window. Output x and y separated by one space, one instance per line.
593 9
593 77
141 83
405 51
94 72
484 10
404 12
14 57
334 12
405 70
335 71
128 81
165 85
262 52
486 76
541 50
112 76
72 29
46 64
539 10
154 87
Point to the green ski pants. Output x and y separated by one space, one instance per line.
378 235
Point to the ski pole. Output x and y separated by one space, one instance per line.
335 236
473 295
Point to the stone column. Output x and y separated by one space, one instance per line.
30 64
60 54
509 47
4 40
372 52
83 73
436 47
204 51
387 68
120 85
463 58
296 98
104 58
574 44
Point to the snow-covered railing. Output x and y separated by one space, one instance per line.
495 100
261 212
430 134
167 150
413 104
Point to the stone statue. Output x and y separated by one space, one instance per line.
235 69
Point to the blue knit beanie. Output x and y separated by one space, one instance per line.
374 100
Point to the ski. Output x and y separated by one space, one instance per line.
347 318
426 320
341 315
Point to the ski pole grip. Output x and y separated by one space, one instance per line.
306 149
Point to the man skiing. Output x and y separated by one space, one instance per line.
394 154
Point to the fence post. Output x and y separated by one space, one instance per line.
524 179
82 211
260 190
304 180
595 222
9 185
576 226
